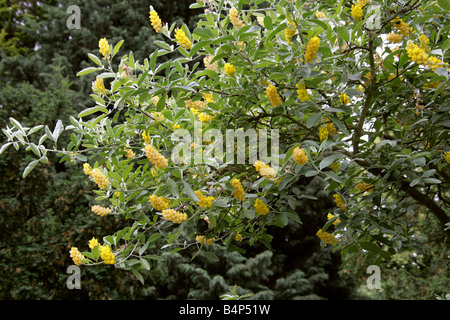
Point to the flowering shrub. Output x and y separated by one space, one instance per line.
354 92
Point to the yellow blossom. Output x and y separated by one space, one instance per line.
302 93
104 48
203 240
416 54
357 12
447 156
290 31
363 186
87 169
76 256
394 37
264 169
261 207
300 156
159 203
344 98
205 201
327 237
273 96
402 27
92 243
239 192
129 153
331 216
230 70
340 202
312 48
101 211
234 18
174 216
156 158
155 21
106 254
99 178
238 237
335 166
182 39
323 133
205 118
98 86
207 62
320 15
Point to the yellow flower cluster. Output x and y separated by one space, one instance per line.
207 61
107 255
424 41
302 93
182 39
99 178
327 237
416 54
260 21
323 133
357 12
159 203
155 21
340 202
205 118
234 18
239 192
394 37
402 27
261 207
156 158
98 86
203 240
344 98
174 216
320 15
92 243
335 166
273 96
264 169
101 211
76 256
87 169
300 156
327 130
104 48
146 137
331 216
230 70
129 153
312 48
238 237
363 186
205 201
290 31
447 156
434 63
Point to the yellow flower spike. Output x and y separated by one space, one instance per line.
207 62
104 48
76 256
156 158
203 240
394 37
327 237
99 178
447 156
174 216
98 86
238 237
182 39
261 207
417 54
205 118
363 186
230 70
300 156
101 211
331 216
323 133
107 255
239 192
290 31
402 27
312 48
234 18
205 202
273 96
159 203
340 202
302 92
87 169
344 98
92 243
264 170
320 15
155 20
357 12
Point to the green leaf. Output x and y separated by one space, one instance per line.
95 59
138 275
145 264
117 47
204 33
444 4
30 167
369 246
210 256
328 161
313 120
92 110
4 147
154 237
190 193
268 23
87 71
173 187
163 45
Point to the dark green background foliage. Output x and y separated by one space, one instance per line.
42 216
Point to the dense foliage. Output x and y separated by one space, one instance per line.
348 97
